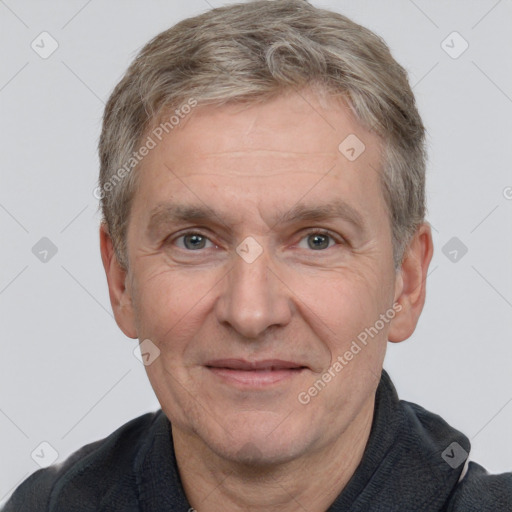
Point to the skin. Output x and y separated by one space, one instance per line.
247 447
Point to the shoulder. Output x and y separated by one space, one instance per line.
96 473
480 491
475 490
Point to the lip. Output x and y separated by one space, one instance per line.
254 374
242 364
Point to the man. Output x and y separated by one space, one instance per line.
262 184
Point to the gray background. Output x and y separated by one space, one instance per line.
68 375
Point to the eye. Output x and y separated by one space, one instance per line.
319 239
193 241
315 239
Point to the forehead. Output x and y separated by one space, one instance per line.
299 144
306 123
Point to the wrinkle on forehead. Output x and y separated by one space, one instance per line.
255 151
254 164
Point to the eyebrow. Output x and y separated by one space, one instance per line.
167 214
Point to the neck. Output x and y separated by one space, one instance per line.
311 482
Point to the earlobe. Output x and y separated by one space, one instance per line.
410 289
120 297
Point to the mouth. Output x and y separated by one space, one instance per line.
255 374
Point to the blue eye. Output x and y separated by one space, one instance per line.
318 240
193 241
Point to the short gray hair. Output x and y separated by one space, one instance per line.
252 52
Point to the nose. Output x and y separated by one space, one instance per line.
253 298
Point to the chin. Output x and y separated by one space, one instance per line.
260 440
259 453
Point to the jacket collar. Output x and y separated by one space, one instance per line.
403 466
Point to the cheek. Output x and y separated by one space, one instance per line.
345 300
356 337
167 302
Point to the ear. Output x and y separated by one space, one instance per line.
410 285
120 296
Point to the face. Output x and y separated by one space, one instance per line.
260 253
